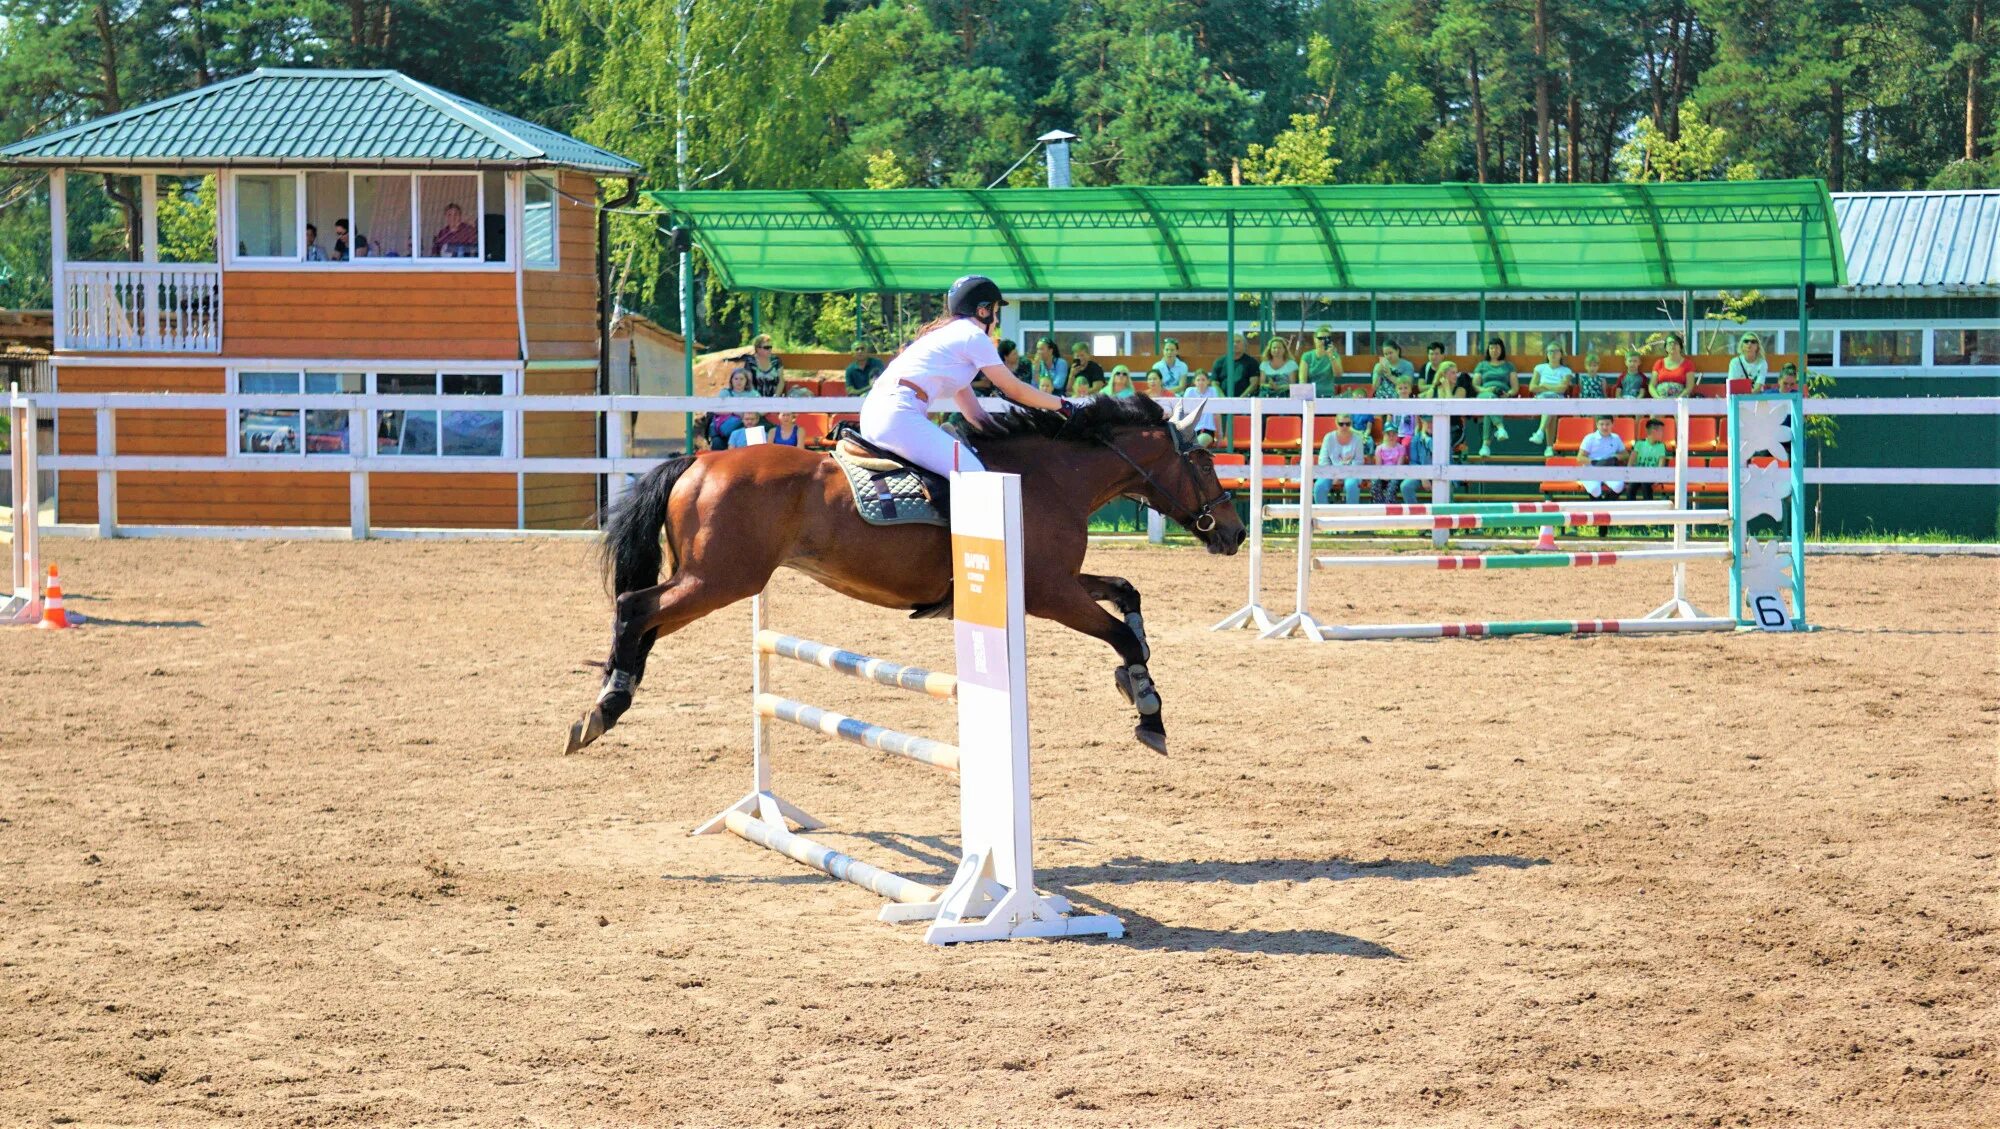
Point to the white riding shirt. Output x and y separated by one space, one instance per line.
941 362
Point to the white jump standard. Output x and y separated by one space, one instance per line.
23 602
993 895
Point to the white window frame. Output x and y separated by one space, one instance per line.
227 189
236 375
298 218
370 403
555 221
379 401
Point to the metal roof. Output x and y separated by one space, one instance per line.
1419 238
308 117
1929 242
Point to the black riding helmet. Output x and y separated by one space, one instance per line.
971 292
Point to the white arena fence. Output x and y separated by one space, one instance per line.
617 411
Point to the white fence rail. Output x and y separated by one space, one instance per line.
149 307
618 411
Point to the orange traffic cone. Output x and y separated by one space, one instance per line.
1548 542
53 616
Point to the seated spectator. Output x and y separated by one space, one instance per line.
1497 380
1204 428
1155 385
1551 382
1049 365
1603 447
456 239
1385 378
1172 371
1648 451
1673 374
1362 420
1749 362
787 430
1433 357
767 370
862 371
723 426
361 248
1342 447
1632 384
1046 384
1322 364
1451 384
1082 367
1010 355
1394 450
314 252
1590 383
1235 374
1279 371
1788 377
339 240
1406 422
1121 383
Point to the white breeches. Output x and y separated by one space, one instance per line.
896 420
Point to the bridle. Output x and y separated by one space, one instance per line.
1202 518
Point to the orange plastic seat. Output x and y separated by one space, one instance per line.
1559 487
1230 470
1570 431
1281 433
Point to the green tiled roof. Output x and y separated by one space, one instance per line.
303 117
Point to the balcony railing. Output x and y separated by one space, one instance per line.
142 307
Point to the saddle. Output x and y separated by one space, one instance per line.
890 490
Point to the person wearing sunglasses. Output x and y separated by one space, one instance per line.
767 371
1322 363
1343 446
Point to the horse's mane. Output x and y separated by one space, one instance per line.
1094 421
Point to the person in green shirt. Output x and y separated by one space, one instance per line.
1495 378
1650 451
861 374
1322 363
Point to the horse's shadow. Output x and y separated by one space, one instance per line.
937 860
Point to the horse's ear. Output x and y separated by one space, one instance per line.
1184 423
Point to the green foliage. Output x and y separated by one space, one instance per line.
1302 154
1962 174
187 221
1700 153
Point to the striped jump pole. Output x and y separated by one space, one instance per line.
1529 627
840 661
1340 510
866 734
1515 521
992 896
1522 560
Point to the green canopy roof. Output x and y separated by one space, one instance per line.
310 117
1434 237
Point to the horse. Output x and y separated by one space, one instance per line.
732 518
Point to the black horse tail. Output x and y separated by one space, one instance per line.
635 529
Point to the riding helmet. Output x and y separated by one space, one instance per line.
971 292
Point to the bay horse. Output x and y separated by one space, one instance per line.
731 518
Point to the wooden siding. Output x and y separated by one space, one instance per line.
370 315
561 304
559 501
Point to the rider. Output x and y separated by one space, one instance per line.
940 364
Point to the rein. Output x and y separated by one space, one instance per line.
1202 520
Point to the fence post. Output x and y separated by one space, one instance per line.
1440 461
107 479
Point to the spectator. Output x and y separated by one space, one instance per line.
1155 385
1010 355
723 426
1603 447
1203 389
1046 384
767 370
1082 368
1278 371
1121 383
314 252
1233 374
340 240
1451 384
862 371
1497 379
1049 365
1673 374
1171 370
1552 382
1406 422
1788 377
1632 385
1589 382
1322 363
1749 363
787 431
1392 356
1362 420
1341 447
1650 451
1394 450
456 239
1433 357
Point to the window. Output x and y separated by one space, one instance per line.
275 429
1965 346
326 217
381 216
453 434
449 216
1412 343
538 222
1611 343
1881 347
267 216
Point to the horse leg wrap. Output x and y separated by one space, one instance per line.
1137 623
1144 695
618 682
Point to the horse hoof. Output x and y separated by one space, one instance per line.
1154 739
585 729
